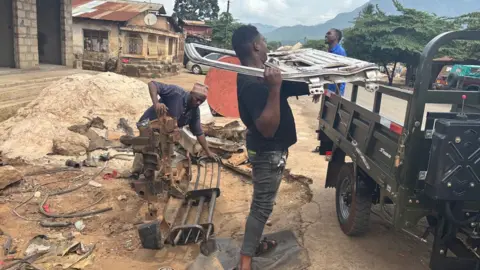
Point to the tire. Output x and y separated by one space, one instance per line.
353 206
196 70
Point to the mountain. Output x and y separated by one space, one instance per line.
264 28
292 34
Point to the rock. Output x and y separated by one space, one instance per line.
122 198
37 194
94 184
72 145
8 176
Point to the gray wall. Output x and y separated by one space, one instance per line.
7 57
49 44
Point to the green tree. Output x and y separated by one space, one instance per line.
196 9
318 44
273 45
222 30
384 39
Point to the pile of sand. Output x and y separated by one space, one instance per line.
35 129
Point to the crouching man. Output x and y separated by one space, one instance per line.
179 104
264 109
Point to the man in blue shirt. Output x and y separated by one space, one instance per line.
333 38
181 105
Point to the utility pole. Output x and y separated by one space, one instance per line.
228 20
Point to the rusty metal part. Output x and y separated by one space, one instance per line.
199 232
55 224
73 164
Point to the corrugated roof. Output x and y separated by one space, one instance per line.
113 10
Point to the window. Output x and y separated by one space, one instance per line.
213 56
95 41
134 44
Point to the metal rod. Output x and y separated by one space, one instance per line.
189 206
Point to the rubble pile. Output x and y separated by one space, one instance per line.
43 125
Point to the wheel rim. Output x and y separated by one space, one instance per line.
196 70
345 198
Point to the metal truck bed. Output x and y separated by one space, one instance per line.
426 167
314 67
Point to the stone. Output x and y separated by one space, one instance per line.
8 176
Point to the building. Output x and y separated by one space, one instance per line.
35 32
196 28
126 30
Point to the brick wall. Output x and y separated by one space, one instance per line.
25 33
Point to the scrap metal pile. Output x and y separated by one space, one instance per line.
168 180
314 67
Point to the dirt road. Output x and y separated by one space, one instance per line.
383 247
314 222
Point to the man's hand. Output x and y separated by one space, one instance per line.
212 155
160 109
273 77
316 98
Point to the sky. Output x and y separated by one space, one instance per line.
282 12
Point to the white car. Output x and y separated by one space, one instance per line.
199 68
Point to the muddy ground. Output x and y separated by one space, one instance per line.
309 212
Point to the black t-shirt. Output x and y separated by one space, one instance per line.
252 95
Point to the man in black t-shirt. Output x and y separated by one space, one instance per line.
264 109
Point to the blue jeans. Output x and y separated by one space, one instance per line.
267 171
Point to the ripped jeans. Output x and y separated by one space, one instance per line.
267 171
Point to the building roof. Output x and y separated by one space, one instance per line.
195 23
112 10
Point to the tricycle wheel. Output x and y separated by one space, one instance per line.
353 204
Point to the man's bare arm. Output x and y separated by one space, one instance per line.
267 123
152 89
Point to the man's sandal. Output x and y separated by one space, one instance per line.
265 246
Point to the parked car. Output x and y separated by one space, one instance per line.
199 68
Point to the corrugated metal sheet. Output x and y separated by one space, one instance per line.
111 10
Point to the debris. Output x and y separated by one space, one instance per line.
72 163
37 244
37 194
89 161
122 198
31 132
189 142
94 184
53 224
9 176
46 208
109 176
8 243
269 222
226 129
79 225
123 125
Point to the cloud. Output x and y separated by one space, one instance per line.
282 12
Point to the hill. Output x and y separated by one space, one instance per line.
293 34
264 28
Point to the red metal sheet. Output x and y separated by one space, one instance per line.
222 93
76 3
119 16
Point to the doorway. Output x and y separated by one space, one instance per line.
49 32
7 57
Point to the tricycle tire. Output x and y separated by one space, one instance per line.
353 208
